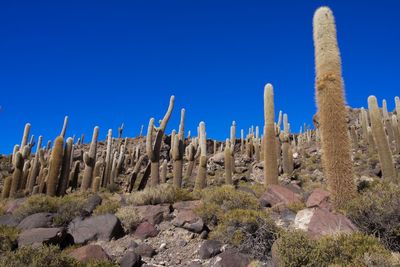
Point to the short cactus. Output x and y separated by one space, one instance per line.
17 174
90 160
6 188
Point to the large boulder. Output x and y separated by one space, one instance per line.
37 220
277 194
88 253
40 236
320 222
102 227
154 214
145 250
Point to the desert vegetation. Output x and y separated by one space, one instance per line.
327 195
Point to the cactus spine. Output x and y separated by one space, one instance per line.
54 166
90 161
332 112
381 142
201 179
270 159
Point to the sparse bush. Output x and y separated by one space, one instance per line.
376 211
107 206
164 193
128 217
8 238
49 256
296 206
66 208
219 200
295 248
251 231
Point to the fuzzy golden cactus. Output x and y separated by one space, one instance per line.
332 111
270 156
381 141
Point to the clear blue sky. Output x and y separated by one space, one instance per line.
108 62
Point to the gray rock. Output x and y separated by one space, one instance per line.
131 259
145 250
231 258
37 220
103 227
209 249
8 220
39 236
91 203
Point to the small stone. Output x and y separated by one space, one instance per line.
163 246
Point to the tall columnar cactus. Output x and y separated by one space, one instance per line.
120 130
397 103
280 117
108 160
35 167
153 147
6 188
90 160
65 168
287 156
270 157
25 136
192 150
55 166
164 170
178 151
25 173
396 131
64 128
201 179
387 123
241 141
332 111
73 175
228 162
381 142
17 174
364 124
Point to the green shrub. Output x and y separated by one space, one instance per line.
295 248
36 204
376 211
107 206
218 200
8 238
49 256
69 207
129 217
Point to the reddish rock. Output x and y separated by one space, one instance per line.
145 230
318 198
89 252
153 214
277 194
320 222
